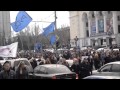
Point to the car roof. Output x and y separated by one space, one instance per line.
12 60
52 65
116 62
102 77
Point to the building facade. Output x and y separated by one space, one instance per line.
5 28
95 28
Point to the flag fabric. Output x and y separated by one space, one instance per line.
9 50
37 47
49 29
22 20
53 39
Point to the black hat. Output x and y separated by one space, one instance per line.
6 62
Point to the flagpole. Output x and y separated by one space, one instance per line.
55 20
55 27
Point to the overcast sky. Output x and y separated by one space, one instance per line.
63 17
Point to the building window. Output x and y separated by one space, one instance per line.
87 33
93 15
118 18
100 13
86 24
109 12
118 28
104 40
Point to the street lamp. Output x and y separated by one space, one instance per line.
76 39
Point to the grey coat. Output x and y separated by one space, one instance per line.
7 74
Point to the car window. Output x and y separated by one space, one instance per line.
115 68
62 69
37 69
106 68
43 70
40 70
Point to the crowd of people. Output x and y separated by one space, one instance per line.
81 66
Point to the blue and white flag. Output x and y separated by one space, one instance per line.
22 20
53 39
49 29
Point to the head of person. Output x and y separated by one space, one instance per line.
75 61
21 65
7 66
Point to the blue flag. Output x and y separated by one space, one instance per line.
53 39
49 29
22 20
37 47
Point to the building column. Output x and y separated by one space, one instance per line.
105 18
96 20
115 22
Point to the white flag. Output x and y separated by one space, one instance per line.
9 50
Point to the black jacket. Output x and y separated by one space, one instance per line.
0 67
7 74
75 68
84 70
24 75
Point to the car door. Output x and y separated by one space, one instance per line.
106 70
115 70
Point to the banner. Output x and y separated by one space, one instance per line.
109 25
101 26
9 50
93 27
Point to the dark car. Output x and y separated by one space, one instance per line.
52 71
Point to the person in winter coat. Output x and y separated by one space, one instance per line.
96 61
7 73
22 71
1 67
33 63
84 69
75 66
65 63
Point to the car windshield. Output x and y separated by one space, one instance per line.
16 63
55 70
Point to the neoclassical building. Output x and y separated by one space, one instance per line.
95 28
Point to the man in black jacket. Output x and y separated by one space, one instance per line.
0 67
7 73
84 69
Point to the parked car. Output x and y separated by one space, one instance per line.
109 69
15 62
52 71
101 77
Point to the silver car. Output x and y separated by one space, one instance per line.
109 69
102 77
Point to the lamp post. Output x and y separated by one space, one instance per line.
76 39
